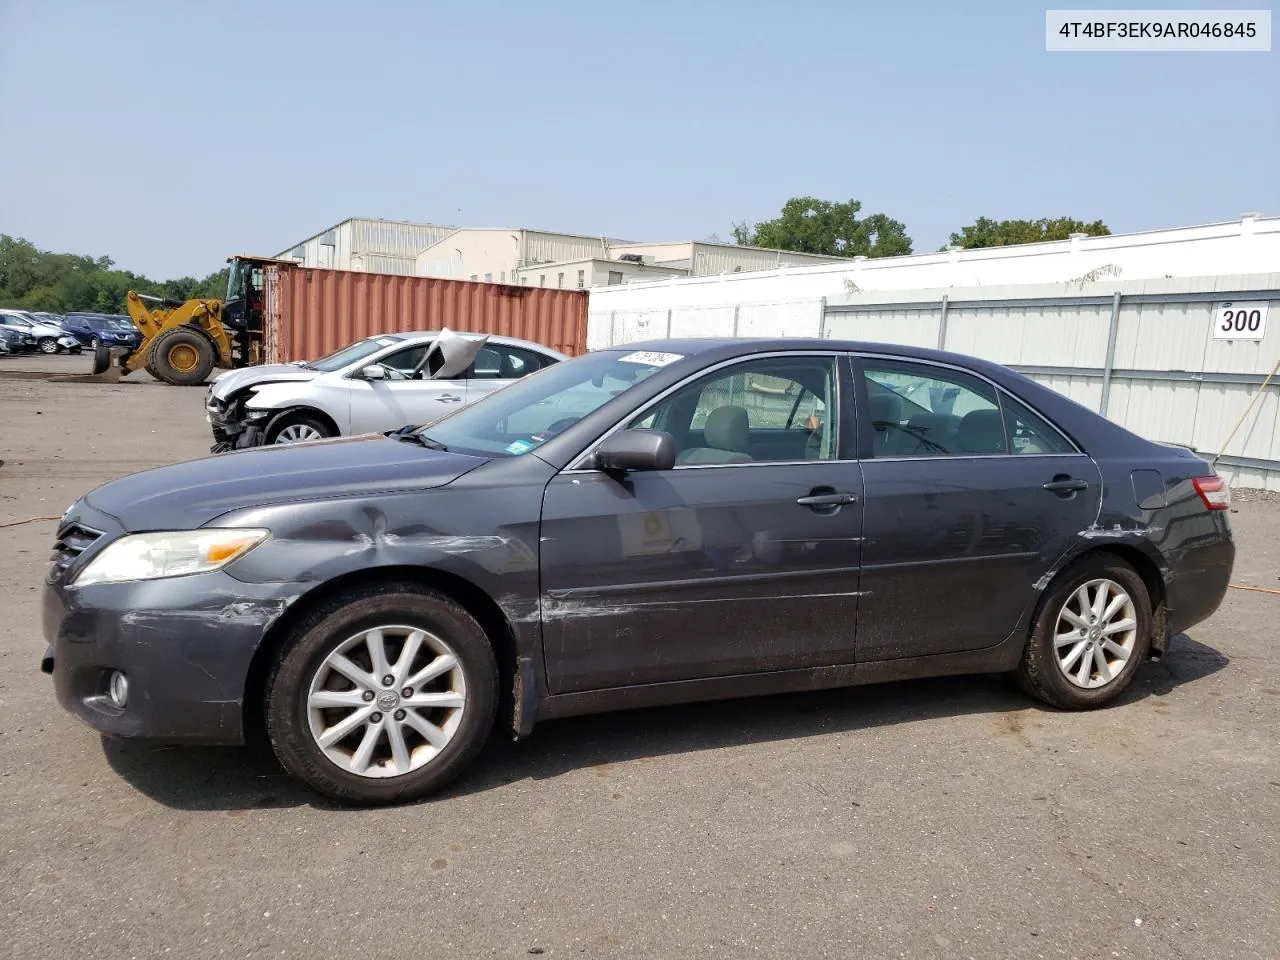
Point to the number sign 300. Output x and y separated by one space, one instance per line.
1240 321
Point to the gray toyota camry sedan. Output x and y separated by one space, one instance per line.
661 522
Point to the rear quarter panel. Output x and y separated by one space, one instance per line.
1150 505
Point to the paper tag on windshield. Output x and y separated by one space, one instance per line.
652 358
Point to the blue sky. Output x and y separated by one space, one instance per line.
168 135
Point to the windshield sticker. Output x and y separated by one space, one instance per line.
520 446
651 358
385 341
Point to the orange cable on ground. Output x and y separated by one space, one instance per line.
1246 586
18 523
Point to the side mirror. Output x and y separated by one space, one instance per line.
373 372
637 449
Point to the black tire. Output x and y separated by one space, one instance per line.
281 429
48 345
182 357
1043 676
320 633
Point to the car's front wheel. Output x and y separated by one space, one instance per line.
1091 635
383 695
48 345
298 428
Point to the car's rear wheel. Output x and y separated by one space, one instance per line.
298 428
1090 637
383 695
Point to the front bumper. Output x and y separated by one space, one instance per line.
185 643
229 431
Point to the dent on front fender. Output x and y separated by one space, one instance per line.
487 537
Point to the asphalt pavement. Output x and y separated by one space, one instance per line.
940 818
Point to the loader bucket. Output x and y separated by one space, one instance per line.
101 359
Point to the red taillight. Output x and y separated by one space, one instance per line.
1214 492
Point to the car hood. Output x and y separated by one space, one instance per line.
234 380
187 495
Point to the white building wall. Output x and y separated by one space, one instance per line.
472 253
369 245
1247 246
541 247
658 252
380 263
596 273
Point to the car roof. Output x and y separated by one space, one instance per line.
745 346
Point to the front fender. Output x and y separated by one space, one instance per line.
280 397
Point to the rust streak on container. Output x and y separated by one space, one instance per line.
312 311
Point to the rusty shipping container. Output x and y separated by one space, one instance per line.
310 312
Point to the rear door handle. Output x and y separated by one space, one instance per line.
826 500
448 398
1066 485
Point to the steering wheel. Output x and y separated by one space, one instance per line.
564 423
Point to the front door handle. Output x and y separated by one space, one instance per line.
832 499
448 398
1064 484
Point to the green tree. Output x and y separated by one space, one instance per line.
35 279
984 232
810 225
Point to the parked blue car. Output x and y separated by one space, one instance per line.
113 330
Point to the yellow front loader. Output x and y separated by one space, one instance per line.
183 341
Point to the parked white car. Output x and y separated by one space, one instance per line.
50 337
379 384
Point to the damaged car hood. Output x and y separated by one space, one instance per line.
234 380
184 496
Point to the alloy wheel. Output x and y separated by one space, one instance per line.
386 701
1095 633
298 433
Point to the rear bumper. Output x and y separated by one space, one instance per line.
1197 581
185 645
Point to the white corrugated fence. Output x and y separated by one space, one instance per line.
1141 352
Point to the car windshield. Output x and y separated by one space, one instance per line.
532 410
349 355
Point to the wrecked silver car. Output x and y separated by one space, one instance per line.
374 385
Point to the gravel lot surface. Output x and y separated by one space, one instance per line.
948 818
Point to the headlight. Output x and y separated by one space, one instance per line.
256 415
150 556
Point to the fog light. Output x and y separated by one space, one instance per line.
118 688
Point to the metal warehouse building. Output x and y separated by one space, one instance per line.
521 257
1129 325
